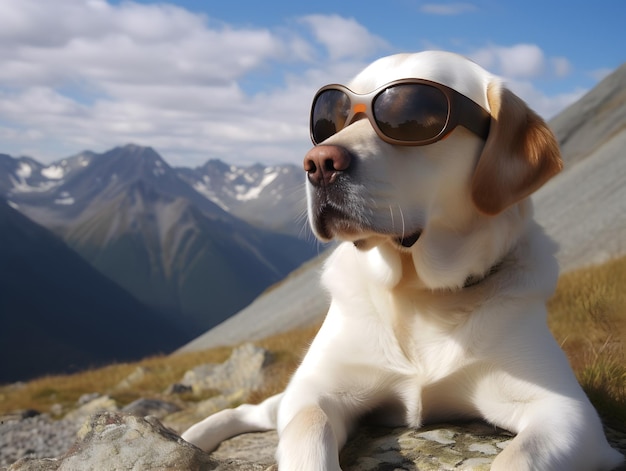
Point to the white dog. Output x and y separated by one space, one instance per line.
423 167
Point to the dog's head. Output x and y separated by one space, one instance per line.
405 163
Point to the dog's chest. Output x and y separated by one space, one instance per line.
404 330
432 341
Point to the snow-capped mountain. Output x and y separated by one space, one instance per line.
138 221
271 197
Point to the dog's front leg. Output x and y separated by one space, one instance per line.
313 424
310 442
210 432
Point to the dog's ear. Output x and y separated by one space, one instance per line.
520 155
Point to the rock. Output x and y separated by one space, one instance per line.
469 447
155 407
181 421
100 403
87 398
38 436
243 370
33 464
112 441
177 388
230 382
18 415
56 409
41 436
261 446
132 379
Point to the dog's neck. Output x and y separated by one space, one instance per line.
474 280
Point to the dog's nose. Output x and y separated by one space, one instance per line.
323 163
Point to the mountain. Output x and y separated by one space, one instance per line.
269 197
138 222
596 118
58 314
583 209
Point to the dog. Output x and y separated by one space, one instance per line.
422 167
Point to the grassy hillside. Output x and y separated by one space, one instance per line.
587 317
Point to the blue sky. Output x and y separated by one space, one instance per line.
233 80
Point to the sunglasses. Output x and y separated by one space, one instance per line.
409 112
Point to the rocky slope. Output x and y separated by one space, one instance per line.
143 435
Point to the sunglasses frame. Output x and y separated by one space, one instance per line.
462 111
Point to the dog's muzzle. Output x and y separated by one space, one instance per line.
325 166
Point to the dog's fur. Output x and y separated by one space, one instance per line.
452 327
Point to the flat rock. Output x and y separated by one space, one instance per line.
114 441
471 447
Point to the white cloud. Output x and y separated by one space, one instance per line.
521 61
547 106
447 8
92 75
343 37
520 65
88 74
561 66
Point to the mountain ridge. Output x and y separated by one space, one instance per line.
50 323
139 222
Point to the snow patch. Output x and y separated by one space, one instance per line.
21 186
65 199
254 192
54 172
158 169
205 191
24 170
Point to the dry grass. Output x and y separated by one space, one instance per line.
587 317
161 371
288 349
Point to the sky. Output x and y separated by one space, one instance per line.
233 80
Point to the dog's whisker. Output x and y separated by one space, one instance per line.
401 219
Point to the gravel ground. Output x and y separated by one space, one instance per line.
39 436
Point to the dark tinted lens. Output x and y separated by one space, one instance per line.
411 112
329 114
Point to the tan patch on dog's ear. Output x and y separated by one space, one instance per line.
520 155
